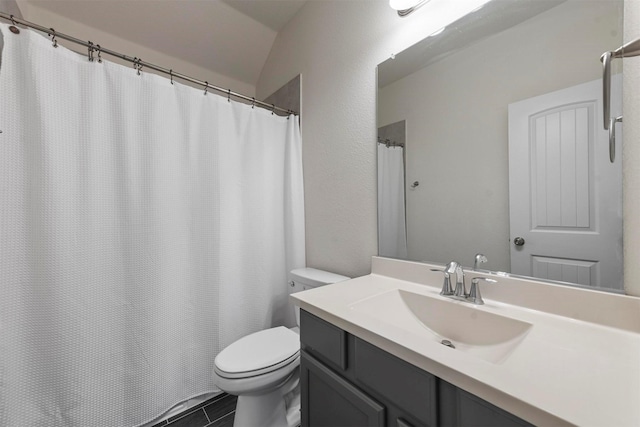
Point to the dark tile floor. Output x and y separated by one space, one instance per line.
218 411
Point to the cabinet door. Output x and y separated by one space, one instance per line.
397 383
330 401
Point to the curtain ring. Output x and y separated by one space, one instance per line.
13 27
171 75
273 108
53 37
137 64
206 87
229 95
253 103
90 49
99 53
289 114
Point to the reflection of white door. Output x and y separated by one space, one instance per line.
565 197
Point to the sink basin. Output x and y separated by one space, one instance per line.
486 335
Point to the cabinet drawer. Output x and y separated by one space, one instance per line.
406 386
461 409
323 340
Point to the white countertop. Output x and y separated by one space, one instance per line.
565 371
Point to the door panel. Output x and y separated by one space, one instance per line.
565 270
560 167
564 194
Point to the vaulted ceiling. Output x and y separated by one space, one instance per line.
230 37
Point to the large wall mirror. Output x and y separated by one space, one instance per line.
491 140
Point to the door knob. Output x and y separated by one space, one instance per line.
518 241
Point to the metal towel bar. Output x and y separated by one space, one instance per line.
625 51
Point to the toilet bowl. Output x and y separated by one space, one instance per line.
262 368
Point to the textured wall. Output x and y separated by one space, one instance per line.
631 153
336 46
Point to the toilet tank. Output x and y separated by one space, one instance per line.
303 279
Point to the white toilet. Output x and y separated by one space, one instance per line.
262 369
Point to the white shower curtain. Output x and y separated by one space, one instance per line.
392 234
144 226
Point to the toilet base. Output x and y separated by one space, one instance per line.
279 407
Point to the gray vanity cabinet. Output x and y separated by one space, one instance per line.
345 381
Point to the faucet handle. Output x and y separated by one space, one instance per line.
460 290
446 285
474 292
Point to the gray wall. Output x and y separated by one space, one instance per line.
336 46
10 7
288 96
396 132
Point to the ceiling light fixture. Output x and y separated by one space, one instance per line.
405 7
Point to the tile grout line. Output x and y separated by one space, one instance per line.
190 411
229 397
186 415
224 416
211 403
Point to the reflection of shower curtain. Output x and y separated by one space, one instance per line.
144 226
392 235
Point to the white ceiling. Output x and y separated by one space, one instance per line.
230 37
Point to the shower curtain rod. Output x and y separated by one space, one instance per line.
138 63
390 143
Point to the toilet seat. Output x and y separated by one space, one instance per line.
258 354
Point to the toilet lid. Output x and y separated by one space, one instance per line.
251 355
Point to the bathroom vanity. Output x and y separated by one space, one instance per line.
534 353
348 382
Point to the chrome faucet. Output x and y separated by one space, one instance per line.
446 285
461 288
453 267
460 291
